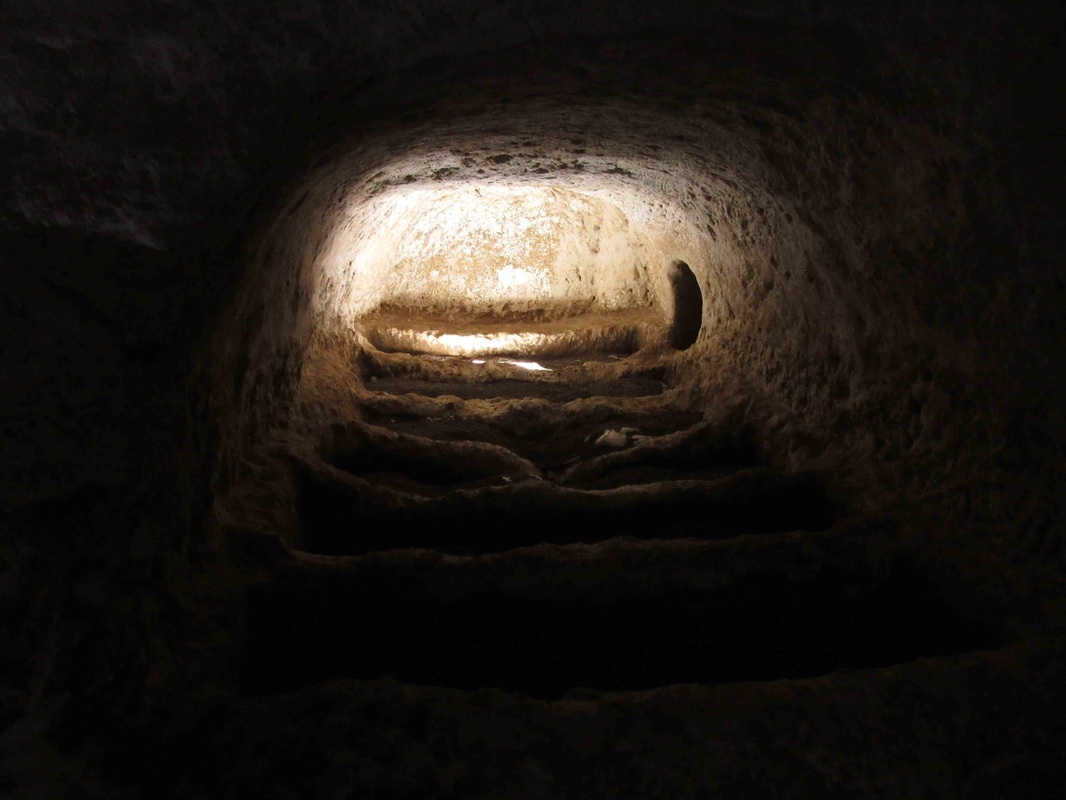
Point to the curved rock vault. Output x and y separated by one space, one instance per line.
478 399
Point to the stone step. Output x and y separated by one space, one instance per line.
613 616
582 368
420 465
555 379
426 466
343 514
515 388
550 434
409 331
842 734
694 452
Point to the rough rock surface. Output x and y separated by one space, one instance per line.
868 195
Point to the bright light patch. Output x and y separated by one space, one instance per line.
485 248
455 344
490 244
509 277
478 343
532 366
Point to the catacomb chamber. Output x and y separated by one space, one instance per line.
364 436
565 336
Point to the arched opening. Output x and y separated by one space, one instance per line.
688 306
480 346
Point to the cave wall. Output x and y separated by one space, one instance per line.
813 195
486 252
872 190
148 141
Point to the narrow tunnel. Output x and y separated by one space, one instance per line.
502 358
507 401
559 325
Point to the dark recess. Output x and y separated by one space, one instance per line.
339 520
763 627
688 306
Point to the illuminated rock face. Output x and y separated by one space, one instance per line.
205 208
488 252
